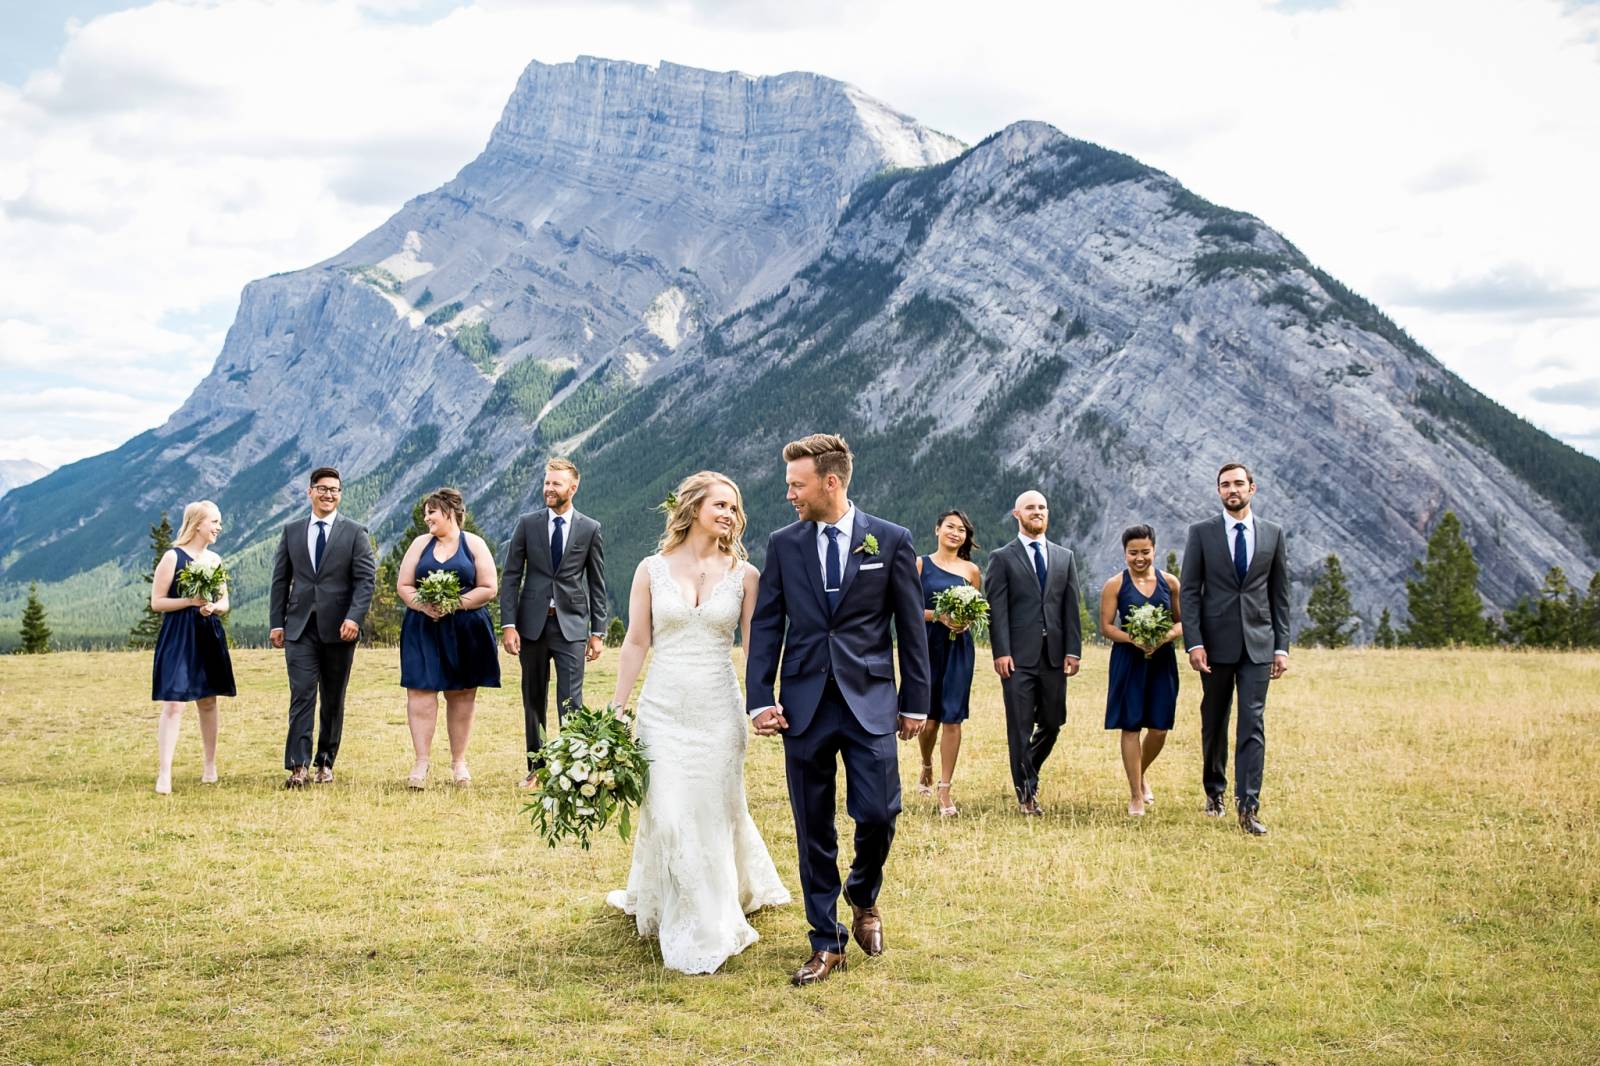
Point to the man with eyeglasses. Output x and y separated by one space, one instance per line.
322 580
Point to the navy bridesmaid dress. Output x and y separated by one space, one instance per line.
1142 693
457 651
191 660
950 662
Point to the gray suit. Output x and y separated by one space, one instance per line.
1039 632
309 604
554 610
1240 625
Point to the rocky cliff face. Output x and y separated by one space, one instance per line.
662 269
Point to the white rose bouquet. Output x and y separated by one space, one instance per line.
440 590
1148 625
963 605
205 580
594 771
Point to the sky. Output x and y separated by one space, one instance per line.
1438 157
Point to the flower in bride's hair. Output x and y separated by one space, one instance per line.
669 504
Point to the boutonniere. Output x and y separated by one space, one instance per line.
868 545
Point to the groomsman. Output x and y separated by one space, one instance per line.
322 580
1037 637
1235 600
553 602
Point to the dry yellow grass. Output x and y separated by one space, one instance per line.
1430 891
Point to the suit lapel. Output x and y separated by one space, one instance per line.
852 560
807 540
1057 567
300 554
541 522
1222 538
1266 543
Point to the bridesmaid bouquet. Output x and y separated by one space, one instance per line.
440 590
963 605
1148 624
205 580
594 771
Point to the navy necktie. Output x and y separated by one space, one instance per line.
1038 566
1241 559
556 547
831 578
322 543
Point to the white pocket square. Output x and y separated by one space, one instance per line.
872 566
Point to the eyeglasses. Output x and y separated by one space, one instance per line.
326 490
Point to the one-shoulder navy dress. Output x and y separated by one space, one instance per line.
1142 693
457 651
191 659
950 662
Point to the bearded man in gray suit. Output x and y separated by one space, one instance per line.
1037 639
1235 599
553 602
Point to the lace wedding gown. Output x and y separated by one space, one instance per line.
699 863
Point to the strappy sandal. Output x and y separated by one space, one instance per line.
925 782
946 808
418 781
463 779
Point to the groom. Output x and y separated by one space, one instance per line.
832 582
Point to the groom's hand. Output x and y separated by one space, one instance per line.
1280 666
1199 661
1004 665
910 727
770 722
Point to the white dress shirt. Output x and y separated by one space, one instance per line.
846 526
1044 549
311 534
1249 520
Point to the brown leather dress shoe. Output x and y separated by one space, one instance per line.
818 968
297 778
1250 823
323 776
867 928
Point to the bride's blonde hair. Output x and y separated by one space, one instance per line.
684 509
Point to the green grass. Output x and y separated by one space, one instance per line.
1430 891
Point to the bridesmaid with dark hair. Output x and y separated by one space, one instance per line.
454 653
1142 682
191 659
950 661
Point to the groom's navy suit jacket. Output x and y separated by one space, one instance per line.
792 621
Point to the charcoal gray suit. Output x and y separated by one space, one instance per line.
555 608
1241 624
309 603
1039 631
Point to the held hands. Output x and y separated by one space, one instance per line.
770 722
952 625
910 727
592 652
511 641
1280 666
1199 661
207 608
1005 666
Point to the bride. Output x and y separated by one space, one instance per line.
699 864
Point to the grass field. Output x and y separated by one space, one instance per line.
1430 891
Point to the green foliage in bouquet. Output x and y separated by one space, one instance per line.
593 772
206 580
963 605
1148 625
440 590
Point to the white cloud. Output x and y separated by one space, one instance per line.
175 151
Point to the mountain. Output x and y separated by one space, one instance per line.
15 472
660 269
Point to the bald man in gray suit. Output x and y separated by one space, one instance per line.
1235 600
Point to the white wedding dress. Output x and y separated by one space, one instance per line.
699 863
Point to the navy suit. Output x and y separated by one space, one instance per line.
839 698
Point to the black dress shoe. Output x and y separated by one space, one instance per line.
1249 823
1214 808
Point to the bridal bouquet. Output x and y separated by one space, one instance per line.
1148 624
963 605
594 771
205 580
440 590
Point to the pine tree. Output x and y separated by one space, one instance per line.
1442 599
616 632
145 631
1552 619
1384 636
1329 608
1589 615
35 634
1173 566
